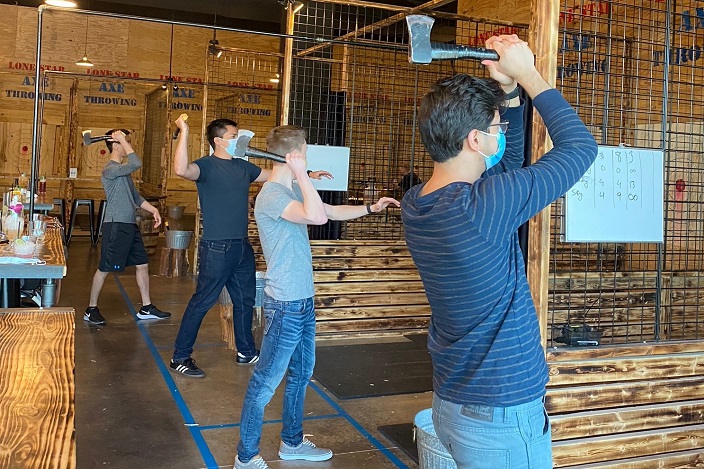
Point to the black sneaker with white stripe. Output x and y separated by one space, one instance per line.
186 367
152 312
93 316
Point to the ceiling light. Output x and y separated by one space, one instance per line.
214 48
297 6
84 62
61 3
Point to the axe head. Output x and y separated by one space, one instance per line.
419 48
89 140
243 139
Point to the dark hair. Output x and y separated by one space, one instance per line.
285 138
452 108
218 128
108 143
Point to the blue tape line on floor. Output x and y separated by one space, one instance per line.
389 455
207 456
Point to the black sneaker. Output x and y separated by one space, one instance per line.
93 316
152 312
245 360
186 367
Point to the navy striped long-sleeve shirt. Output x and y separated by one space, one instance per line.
483 337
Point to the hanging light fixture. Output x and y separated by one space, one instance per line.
294 5
214 44
84 62
171 62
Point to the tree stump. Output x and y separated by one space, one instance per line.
173 262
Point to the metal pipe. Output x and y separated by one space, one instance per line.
35 118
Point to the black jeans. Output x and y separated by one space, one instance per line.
228 263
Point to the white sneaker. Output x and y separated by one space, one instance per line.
306 451
255 463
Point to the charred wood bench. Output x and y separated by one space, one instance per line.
37 388
360 287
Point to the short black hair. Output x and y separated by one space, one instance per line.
452 108
109 143
218 128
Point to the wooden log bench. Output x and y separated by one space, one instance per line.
370 287
628 406
37 388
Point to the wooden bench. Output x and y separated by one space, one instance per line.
37 388
370 287
628 406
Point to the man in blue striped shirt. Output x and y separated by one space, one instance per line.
489 368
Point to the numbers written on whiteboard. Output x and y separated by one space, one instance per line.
614 180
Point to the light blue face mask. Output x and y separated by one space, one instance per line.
231 145
492 160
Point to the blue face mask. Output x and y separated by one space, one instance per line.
492 160
231 145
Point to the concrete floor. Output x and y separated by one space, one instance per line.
131 412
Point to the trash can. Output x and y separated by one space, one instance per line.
431 453
175 212
177 239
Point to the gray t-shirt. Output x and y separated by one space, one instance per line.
121 195
289 264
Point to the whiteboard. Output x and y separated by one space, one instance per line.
619 199
335 160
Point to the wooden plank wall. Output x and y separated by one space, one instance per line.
628 407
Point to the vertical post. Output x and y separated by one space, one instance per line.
544 28
35 119
286 72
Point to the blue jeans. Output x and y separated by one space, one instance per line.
224 263
483 437
288 348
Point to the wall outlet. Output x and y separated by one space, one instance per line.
73 173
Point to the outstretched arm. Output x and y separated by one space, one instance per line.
350 212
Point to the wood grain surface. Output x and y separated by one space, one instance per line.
37 388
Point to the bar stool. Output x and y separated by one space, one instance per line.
91 215
61 216
101 218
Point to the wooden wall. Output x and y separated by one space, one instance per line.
107 95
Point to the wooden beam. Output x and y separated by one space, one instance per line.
679 460
379 24
626 369
626 419
614 395
629 445
287 68
543 40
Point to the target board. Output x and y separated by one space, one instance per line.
16 148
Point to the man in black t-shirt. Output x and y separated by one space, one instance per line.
226 258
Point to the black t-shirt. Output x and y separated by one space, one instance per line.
223 190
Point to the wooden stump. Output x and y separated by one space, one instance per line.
173 262
226 325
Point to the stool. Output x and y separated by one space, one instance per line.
61 216
91 215
101 218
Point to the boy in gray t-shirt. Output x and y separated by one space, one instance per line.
286 205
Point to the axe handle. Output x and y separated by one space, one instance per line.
256 153
442 51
